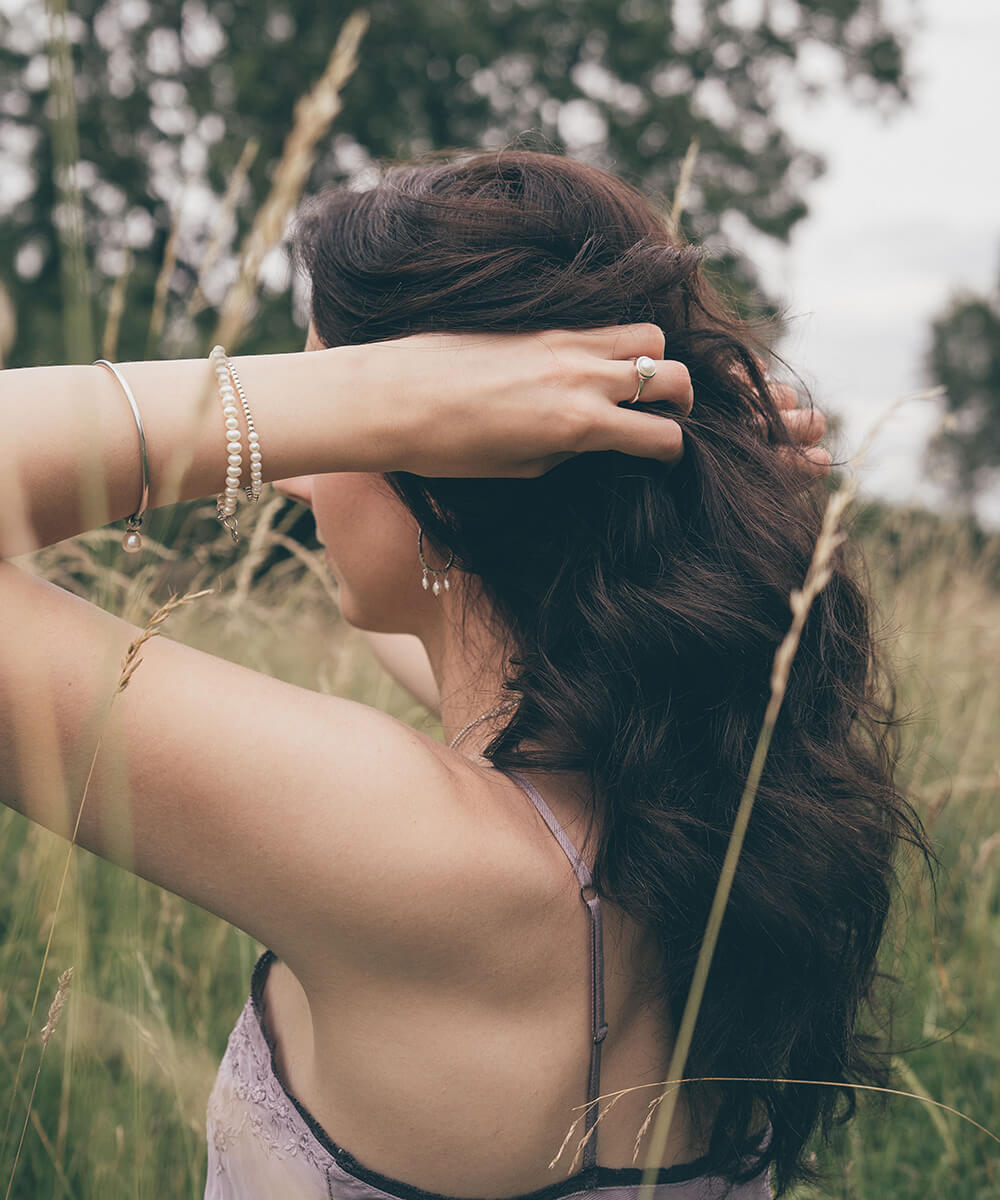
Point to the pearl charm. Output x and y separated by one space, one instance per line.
132 542
440 584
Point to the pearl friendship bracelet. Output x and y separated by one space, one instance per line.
229 384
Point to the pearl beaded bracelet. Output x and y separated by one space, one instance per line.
229 385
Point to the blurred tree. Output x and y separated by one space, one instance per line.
171 90
964 357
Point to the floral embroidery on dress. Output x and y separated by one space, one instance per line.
247 1095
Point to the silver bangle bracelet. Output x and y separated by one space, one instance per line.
132 541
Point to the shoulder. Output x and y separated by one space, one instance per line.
304 819
446 859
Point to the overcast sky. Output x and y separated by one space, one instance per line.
907 213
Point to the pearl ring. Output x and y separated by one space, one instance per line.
646 369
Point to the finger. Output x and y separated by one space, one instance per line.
811 464
631 431
785 396
804 425
629 341
671 384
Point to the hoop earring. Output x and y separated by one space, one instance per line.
428 570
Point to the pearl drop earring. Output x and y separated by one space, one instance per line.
429 570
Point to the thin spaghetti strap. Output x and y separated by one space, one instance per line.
599 1026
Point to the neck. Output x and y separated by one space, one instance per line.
468 666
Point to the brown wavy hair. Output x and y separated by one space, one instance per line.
642 604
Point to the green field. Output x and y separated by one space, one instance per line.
120 1099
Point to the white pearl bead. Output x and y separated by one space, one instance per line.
255 456
233 446
232 490
252 437
230 411
232 423
235 460
131 542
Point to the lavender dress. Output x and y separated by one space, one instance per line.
264 1145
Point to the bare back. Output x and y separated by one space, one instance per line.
461 1075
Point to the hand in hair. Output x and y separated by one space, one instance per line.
516 405
804 427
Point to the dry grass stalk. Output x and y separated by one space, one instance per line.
68 213
310 560
683 183
911 1078
151 629
226 210
984 856
313 114
260 544
116 306
8 324
162 287
129 665
800 601
937 1106
55 1009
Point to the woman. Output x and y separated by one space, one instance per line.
433 1002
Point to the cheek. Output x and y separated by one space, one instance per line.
371 548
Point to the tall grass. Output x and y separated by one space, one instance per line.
112 1102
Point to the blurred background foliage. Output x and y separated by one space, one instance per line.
168 93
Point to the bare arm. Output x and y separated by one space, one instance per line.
404 657
69 455
237 791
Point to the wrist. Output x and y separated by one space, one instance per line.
357 409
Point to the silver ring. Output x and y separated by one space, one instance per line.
646 369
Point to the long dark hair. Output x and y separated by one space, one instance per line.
642 604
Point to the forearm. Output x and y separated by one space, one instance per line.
69 450
403 655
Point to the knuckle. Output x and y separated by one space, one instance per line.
673 438
680 383
657 338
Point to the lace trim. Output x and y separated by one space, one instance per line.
247 1097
